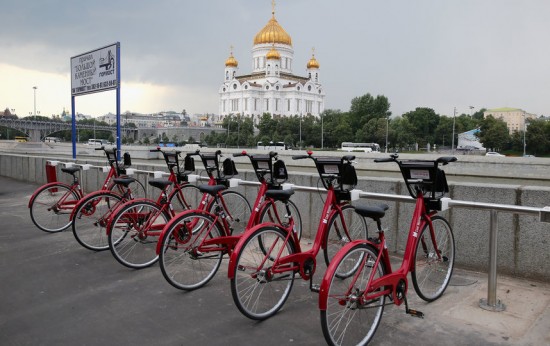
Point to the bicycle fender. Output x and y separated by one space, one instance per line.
57 183
238 247
176 219
323 292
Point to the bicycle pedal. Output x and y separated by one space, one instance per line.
415 313
315 288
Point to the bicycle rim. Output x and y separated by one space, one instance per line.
186 263
348 320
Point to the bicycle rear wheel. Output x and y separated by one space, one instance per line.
257 290
134 232
136 188
347 319
186 263
343 228
275 212
52 206
238 210
432 272
91 218
186 197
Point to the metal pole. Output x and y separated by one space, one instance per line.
453 141
322 141
387 128
35 87
492 303
524 134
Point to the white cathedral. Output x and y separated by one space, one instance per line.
271 87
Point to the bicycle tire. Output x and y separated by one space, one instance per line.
278 217
238 211
186 197
46 214
183 262
346 320
91 217
131 239
336 237
257 292
431 276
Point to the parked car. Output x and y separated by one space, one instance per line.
493 153
528 155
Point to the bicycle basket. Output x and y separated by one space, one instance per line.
333 169
127 160
189 164
262 167
424 177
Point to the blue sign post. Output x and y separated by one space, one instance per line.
95 71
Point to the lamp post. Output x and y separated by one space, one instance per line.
300 131
35 87
238 129
524 134
387 128
322 131
453 139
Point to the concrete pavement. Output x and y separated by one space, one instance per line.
54 292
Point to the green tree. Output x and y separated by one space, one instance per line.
494 133
424 121
538 137
365 108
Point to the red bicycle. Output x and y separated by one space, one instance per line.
135 227
356 284
92 213
51 204
265 260
192 245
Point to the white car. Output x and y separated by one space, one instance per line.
493 153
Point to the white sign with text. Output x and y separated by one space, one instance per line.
94 71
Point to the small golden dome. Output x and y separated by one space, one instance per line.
273 54
313 63
231 61
273 33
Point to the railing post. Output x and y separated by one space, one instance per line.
492 303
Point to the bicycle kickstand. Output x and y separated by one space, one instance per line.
412 312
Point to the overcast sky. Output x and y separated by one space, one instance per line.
439 54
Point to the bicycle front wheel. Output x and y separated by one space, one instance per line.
91 218
134 232
349 319
433 269
276 212
52 207
237 211
185 261
343 228
260 286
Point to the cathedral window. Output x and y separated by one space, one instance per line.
234 86
267 87
277 87
276 105
288 105
267 105
309 88
316 77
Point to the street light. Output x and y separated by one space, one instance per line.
453 140
387 128
524 134
35 87
300 131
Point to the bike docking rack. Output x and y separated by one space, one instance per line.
490 303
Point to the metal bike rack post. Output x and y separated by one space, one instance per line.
492 303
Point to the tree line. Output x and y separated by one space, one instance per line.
369 120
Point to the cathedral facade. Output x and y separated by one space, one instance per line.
271 87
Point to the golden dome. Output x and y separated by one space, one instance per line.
231 61
273 54
273 33
313 63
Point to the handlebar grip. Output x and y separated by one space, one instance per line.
272 153
446 159
197 152
349 157
99 148
299 157
386 159
243 153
